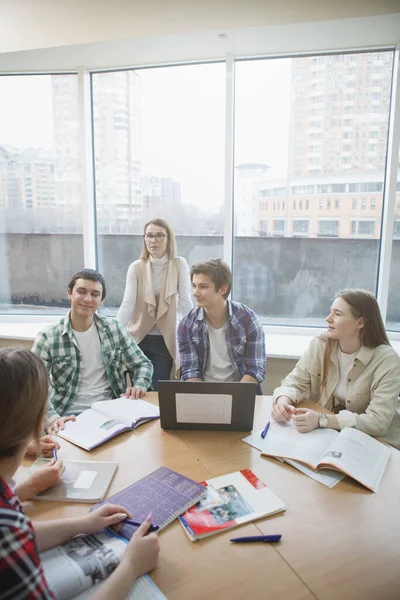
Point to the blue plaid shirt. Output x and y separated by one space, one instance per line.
57 346
244 336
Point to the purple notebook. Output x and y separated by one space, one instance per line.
164 493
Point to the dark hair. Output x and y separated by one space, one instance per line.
91 275
171 243
363 305
217 270
23 398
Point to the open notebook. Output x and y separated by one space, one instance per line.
106 419
349 451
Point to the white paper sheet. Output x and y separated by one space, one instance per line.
204 408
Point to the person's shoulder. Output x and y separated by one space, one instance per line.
11 515
386 352
180 260
238 308
191 317
52 328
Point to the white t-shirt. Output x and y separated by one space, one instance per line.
93 380
218 367
345 364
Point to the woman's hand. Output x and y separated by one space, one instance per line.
305 419
42 479
59 423
106 515
283 409
141 555
44 448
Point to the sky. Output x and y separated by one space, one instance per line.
182 115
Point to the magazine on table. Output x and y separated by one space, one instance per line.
78 567
230 500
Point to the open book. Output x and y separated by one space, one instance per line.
107 419
82 481
231 500
77 568
350 451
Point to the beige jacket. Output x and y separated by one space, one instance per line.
148 313
372 390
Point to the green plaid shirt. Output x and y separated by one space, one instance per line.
57 346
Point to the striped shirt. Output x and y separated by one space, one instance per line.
58 347
21 572
244 336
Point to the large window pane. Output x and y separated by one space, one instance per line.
40 192
310 152
159 139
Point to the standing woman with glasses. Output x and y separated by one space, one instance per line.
157 287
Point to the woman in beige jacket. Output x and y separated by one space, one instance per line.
351 370
157 288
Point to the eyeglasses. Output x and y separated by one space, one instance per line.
159 237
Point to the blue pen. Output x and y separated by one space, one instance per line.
264 432
136 524
257 538
54 452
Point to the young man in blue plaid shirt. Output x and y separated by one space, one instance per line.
86 354
220 340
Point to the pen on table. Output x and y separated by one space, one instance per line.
264 432
54 452
136 524
257 538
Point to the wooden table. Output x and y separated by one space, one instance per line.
340 543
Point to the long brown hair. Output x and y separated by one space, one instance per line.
171 243
363 305
23 398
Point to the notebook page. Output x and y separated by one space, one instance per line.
284 441
127 411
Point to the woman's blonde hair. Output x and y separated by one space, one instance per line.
171 243
23 398
363 305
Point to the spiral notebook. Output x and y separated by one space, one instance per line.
164 493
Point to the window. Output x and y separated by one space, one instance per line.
40 191
279 225
363 228
300 226
328 228
159 150
147 119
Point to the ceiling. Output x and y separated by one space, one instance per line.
32 24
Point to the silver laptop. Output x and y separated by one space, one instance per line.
206 405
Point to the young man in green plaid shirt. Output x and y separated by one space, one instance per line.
86 354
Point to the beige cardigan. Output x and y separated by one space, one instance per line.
146 313
372 388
